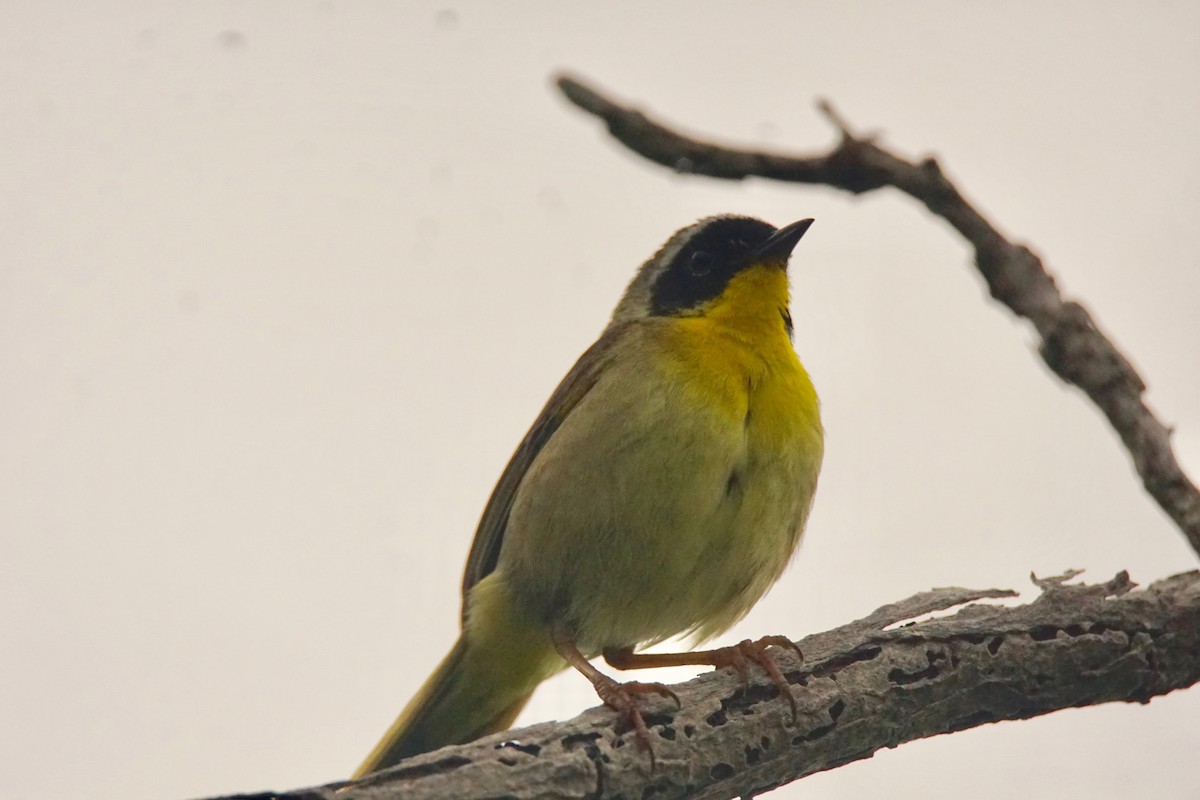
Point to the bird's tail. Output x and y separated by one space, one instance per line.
479 688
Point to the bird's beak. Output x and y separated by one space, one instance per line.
779 247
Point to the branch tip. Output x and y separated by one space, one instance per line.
837 120
1054 581
582 95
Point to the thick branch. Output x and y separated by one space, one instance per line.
1071 344
862 687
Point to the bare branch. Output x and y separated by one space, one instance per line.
863 686
1071 344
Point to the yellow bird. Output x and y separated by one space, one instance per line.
661 491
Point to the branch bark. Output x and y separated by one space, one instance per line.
1071 343
874 683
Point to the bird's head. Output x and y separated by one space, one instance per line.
714 265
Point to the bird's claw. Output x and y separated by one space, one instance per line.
746 650
621 698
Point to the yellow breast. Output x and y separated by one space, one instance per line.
738 358
736 362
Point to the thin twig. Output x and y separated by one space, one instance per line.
1071 344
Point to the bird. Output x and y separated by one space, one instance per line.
661 491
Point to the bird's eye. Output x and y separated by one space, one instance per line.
701 263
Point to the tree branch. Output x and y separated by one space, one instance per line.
1071 344
874 683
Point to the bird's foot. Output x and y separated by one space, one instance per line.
739 655
622 698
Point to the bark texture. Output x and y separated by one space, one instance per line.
878 682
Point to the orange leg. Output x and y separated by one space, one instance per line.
736 656
618 696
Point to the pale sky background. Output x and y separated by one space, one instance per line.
282 285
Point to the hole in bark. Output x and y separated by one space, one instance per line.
657 719
994 645
576 740
796 677
744 699
1098 628
1042 633
812 736
765 743
753 755
668 733
717 718
720 772
689 731
853 657
836 710
527 749
901 678
1074 630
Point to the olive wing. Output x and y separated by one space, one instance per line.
489 536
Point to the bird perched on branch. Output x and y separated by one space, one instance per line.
661 491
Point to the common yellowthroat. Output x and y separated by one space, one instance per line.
661 491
